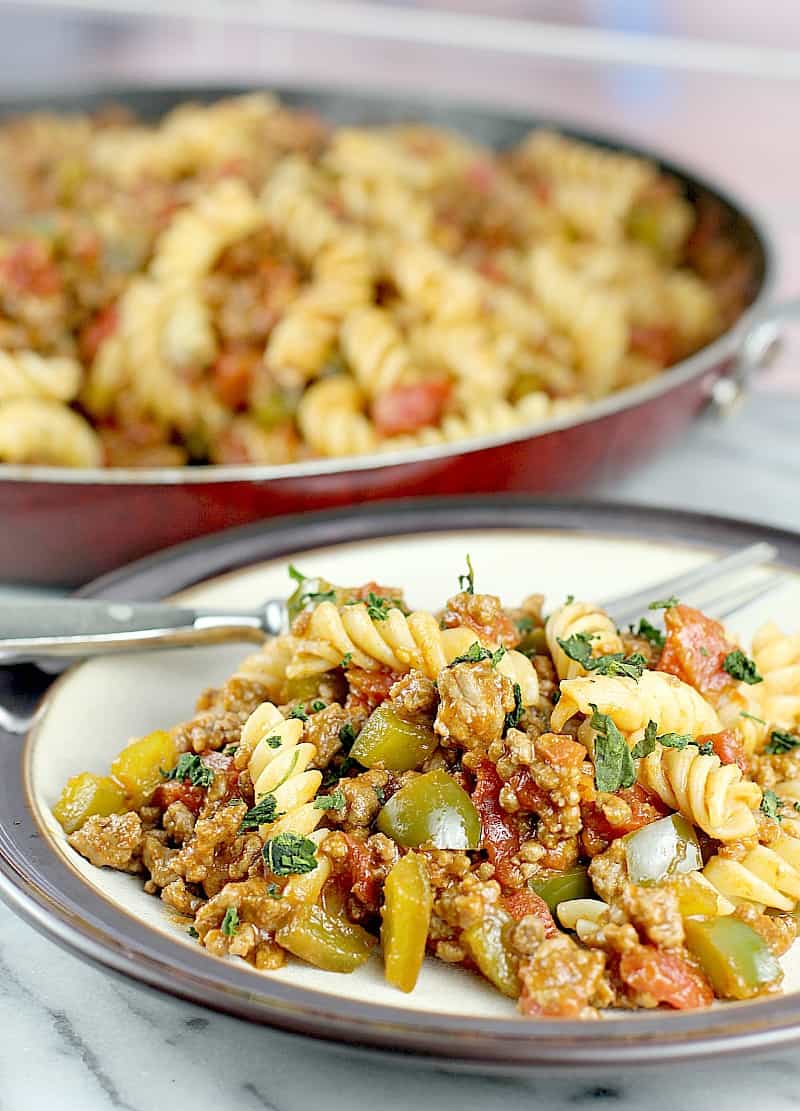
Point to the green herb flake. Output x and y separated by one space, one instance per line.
289 854
706 749
675 740
614 766
298 712
555 697
664 603
273 742
752 717
264 812
466 583
381 797
473 655
333 801
192 932
191 767
230 750
274 891
780 742
703 650
739 666
796 806
570 598
317 705
771 805
308 597
650 633
347 659
513 718
578 647
647 744
230 923
524 624
347 736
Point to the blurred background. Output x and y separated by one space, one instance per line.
715 85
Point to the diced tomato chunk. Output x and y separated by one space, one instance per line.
654 341
98 329
232 374
364 883
500 838
560 751
666 977
405 409
29 267
368 689
598 832
523 902
695 649
727 746
174 790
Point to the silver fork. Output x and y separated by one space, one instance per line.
80 628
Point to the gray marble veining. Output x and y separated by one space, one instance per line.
77 1039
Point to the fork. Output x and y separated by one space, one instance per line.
76 627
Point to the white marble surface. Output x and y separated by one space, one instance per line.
75 1038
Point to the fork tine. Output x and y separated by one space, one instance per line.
627 607
739 597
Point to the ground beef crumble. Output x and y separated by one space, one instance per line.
113 842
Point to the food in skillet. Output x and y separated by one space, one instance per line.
240 283
587 818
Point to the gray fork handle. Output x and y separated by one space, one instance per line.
76 627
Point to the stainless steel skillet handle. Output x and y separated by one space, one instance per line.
78 628
761 342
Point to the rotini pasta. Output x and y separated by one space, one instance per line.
26 374
33 430
712 796
632 703
768 875
580 618
777 657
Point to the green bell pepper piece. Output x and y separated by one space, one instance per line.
486 942
388 741
431 809
662 849
558 888
406 918
326 941
736 959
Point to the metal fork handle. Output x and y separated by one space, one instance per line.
76 627
627 607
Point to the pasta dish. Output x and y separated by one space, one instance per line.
589 818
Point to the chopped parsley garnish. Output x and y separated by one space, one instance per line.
780 742
332 774
377 606
796 806
675 740
274 891
192 932
317 705
555 697
230 923
741 667
647 744
752 717
613 761
579 648
570 598
265 811
476 652
347 736
664 603
466 583
524 624
229 750
333 801
347 659
771 805
312 596
298 712
381 797
650 633
703 650
190 766
273 742
513 717
289 854
706 749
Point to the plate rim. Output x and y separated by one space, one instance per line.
35 883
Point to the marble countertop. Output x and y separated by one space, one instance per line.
77 1038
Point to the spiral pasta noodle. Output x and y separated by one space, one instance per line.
777 657
375 350
710 795
438 287
580 618
632 703
278 766
768 875
331 418
27 374
35 430
397 642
